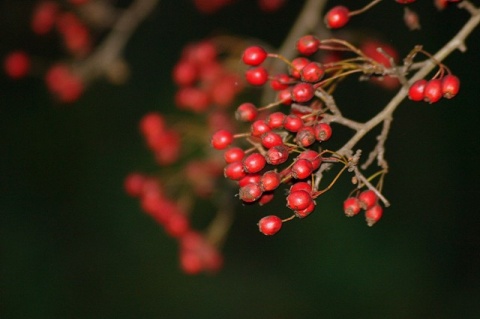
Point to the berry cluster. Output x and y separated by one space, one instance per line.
433 90
197 254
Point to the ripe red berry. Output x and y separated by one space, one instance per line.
246 112
302 213
234 171
271 139
277 154
302 92
433 91
305 136
308 45
233 154
270 180
373 214
312 156
312 72
305 186
250 178
337 17
280 81
266 198
293 123
323 131
259 127
351 206
17 64
257 76
254 163
450 86
367 199
285 96
254 55
275 120
297 65
299 200
270 225
250 192
302 169
221 139
415 92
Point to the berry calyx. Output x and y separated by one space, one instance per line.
254 55
270 225
337 17
323 131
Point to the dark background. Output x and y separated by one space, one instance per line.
73 245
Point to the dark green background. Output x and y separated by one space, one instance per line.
73 245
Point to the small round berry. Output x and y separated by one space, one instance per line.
266 198
280 82
323 131
299 200
415 92
450 86
293 123
254 163
233 154
270 225
221 139
259 127
313 156
246 112
134 184
304 186
277 155
351 206
305 136
308 45
250 192
17 64
234 171
184 73
302 213
337 17
373 214
302 169
312 72
302 92
367 199
250 178
275 120
433 91
270 180
297 65
257 76
285 96
271 139
254 55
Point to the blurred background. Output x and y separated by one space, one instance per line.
73 245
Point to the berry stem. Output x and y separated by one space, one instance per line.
365 8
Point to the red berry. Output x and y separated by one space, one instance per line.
134 184
302 92
302 213
254 163
233 154
433 91
254 55
184 73
246 112
250 192
312 72
351 206
257 76
266 198
297 65
285 96
293 123
299 200
275 120
367 199
249 179
373 214
302 169
323 131
259 127
415 92
234 171
221 139
280 81
17 64
271 139
312 156
277 154
44 17
305 186
270 180
305 136
270 225
308 45
337 17
450 86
